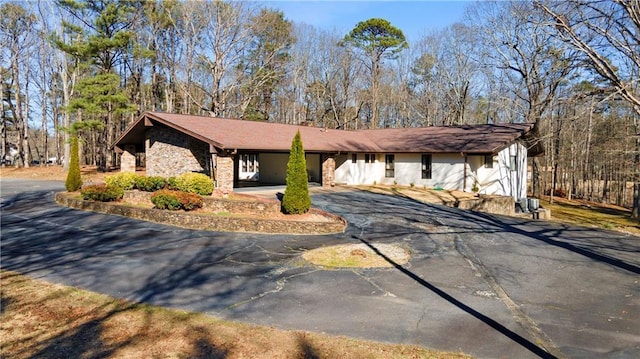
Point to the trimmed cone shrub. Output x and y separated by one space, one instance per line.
124 180
175 200
296 198
102 193
194 183
74 181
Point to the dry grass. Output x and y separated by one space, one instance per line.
356 256
592 214
40 319
90 174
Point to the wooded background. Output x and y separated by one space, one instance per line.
93 67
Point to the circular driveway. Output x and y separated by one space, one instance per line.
486 285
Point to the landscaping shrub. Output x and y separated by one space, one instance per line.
296 198
189 201
194 183
102 193
124 180
174 200
150 183
74 181
171 183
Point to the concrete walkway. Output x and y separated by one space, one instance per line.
492 287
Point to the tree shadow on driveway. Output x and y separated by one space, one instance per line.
525 343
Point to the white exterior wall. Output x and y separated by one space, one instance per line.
447 172
501 179
351 173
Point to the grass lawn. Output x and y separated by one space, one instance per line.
40 319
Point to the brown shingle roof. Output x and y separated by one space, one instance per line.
229 134
469 139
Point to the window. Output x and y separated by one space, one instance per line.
426 166
354 158
389 166
249 163
369 158
488 161
513 163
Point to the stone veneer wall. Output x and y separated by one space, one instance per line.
328 170
224 173
128 159
171 153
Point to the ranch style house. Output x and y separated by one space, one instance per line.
488 158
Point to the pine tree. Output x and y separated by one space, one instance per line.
296 198
74 182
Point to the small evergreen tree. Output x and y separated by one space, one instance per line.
296 198
74 182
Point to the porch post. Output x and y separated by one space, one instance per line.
328 170
224 173
128 159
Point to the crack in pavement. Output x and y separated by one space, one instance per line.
519 316
280 284
374 284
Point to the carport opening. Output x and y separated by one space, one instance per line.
256 169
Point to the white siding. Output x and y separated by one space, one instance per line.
448 171
501 179
360 172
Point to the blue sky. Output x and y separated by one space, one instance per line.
414 18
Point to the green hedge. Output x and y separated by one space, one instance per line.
125 180
102 193
175 200
187 182
192 182
151 183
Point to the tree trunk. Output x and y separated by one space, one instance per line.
535 178
635 211
3 126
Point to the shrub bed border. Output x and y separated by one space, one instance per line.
210 222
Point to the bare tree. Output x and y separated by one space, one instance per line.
225 40
17 30
605 33
526 53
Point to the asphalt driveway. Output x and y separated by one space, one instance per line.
486 285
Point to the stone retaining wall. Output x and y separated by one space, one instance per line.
488 204
212 222
254 206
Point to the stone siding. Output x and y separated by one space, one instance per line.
171 153
494 204
328 170
224 173
128 159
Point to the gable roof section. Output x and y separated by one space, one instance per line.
230 134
